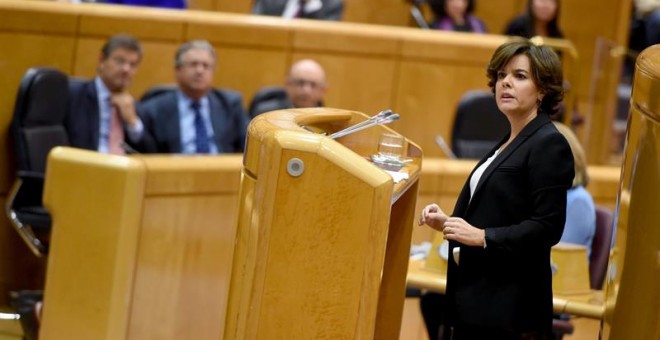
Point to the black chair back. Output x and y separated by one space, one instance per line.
157 91
478 125
267 99
37 126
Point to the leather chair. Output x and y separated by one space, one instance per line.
267 99
157 90
478 125
36 127
600 247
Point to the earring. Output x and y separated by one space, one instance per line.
538 102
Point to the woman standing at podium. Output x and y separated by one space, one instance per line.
512 209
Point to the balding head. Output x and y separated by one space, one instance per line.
305 83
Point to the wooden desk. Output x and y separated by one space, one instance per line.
589 305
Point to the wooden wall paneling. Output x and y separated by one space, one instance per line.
361 68
355 82
379 12
204 5
145 23
183 267
263 48
230 6
582 22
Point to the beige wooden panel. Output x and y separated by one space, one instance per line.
178 174
428 94
453 47
20 52
222 29
157 66
142 22
357 82
95 201
52 19
346 38
202 5
267 67
380 12
183 267
582 22
231 6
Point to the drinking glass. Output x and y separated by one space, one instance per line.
390 146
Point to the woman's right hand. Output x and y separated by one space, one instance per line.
433 216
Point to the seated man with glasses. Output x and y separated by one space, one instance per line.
194 118
101 111
304 86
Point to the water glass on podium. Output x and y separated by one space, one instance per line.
390 146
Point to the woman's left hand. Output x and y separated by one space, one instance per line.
456 229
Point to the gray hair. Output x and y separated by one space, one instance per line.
194 44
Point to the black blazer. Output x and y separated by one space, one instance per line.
160 116
82 119
521 201
331 9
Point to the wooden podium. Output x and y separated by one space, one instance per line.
633 281
323 237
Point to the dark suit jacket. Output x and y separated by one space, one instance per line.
331 9
160 116
82 120
521 201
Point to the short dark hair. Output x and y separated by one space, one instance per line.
545 68
438 7
121 40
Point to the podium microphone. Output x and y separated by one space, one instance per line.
386 118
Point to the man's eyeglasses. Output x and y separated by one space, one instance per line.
196 64
303 82
121 62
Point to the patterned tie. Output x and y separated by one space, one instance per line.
116 138
201 135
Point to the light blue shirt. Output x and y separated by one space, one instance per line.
580 224
187 123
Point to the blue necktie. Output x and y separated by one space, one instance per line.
201 136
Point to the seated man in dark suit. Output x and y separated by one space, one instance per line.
194 118
307 9
101 111
305 86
